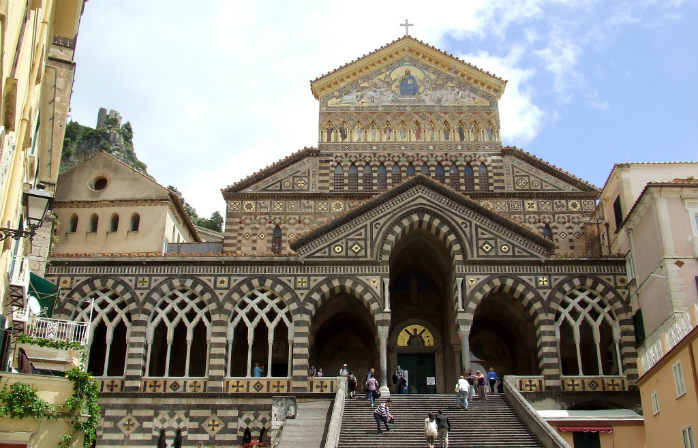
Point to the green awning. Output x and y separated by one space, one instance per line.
45 292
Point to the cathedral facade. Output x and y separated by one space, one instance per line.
408 236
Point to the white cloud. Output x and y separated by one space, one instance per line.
520 118
217 92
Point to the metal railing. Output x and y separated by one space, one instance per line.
57 330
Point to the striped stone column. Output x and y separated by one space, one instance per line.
216 354
135 355
301 346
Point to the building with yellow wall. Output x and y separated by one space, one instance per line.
36 78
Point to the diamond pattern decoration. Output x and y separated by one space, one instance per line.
127 424
212 425
175 386
356 248
258 386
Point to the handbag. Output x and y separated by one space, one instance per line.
376 394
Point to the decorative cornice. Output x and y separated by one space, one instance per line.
420 180
110 203
397 49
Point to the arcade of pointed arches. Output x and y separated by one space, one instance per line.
179 330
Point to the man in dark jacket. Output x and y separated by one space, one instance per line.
444 426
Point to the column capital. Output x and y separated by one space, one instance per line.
463 331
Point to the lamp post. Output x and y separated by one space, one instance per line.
37 201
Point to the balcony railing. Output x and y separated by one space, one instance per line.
57 330
652 352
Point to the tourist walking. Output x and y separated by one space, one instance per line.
430 430
492 377
444 425
351 384
382 414
462 392
371 389
398 379
344 371
480 385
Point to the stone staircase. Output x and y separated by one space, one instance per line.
308 428
491 423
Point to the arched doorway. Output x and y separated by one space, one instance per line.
503 336
421 302
343 331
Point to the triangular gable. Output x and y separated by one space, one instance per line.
122 180
123 184
294 173
358 235
529 173
416 50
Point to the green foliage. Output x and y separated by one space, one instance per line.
22 400
82 408
82 142
215 222
42 342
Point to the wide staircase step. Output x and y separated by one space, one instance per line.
308 428
488 423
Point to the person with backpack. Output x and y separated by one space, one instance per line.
351 384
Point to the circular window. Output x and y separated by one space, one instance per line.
100 183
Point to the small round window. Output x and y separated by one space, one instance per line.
100 183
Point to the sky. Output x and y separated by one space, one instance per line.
221 90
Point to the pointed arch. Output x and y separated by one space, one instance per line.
468 178
368 178
349 285
179 314
439 173
396 174
424 218
114 321
382 178
410 170
460 130
417 131
454 177
619 306
338 178
276 240
425 169
483 177
353 178
534 304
